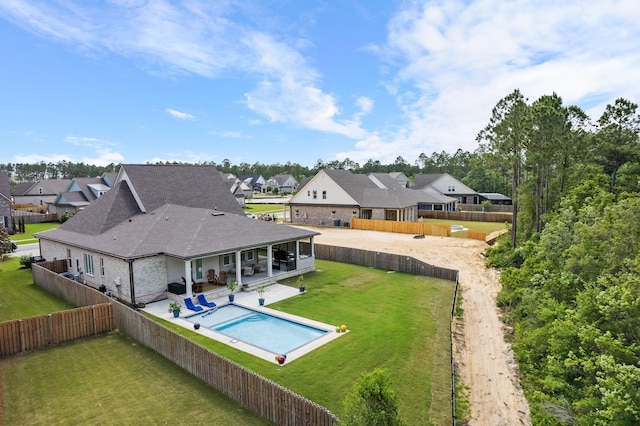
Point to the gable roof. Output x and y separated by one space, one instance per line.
115 206
22 188
282 179
5 187
178 231
422 180
184 185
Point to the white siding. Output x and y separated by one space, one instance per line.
335 195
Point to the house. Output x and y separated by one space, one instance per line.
41 193
332 197
401 178
79 193
496 198
239 188
257 183
163 226
5 202
447 185
285 184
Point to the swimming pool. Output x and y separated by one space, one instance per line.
269 332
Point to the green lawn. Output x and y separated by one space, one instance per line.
398 322
20 298
110 380
32 228
263 208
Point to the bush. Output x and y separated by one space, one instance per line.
25 261
371 402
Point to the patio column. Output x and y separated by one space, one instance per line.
270 260
238 268
187 277
313 250
297 251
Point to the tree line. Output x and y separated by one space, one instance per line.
571 264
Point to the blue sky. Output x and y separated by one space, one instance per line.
272 81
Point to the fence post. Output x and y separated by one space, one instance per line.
93 315
22 342
49 329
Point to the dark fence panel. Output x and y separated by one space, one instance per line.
468 216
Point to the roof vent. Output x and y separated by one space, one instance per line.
217 214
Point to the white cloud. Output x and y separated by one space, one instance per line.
37 158
179 114
458 58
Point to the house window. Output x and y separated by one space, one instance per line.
226 259
102 266
69 262
88 264
451 188
308 193
198 269
297 212
246 255
354 213
40 191
324 195
315 194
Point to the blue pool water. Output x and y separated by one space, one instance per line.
271 333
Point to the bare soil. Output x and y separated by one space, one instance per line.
484 360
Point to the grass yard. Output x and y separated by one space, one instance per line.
32 228
263 208
109 380
20 298
398 322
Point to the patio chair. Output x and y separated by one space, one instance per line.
222 279
190 305
204 302
211 276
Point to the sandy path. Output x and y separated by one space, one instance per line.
484 359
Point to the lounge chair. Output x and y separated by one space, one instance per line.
204 302
222 278
190 305
211 276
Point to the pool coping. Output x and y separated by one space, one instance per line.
249 300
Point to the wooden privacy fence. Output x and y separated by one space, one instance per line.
38 332
30 218
417 228
261 395
386 261
468 216
400 263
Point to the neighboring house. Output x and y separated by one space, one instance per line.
160 224
5 201
41 193
240 190
401 178
285 184
334 197
80 193
447 185
496 198
256 182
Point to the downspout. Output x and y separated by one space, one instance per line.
132 288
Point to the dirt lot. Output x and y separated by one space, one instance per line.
484 359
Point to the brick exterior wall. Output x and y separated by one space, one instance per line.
317 214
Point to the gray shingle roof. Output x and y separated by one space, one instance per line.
22 188
5 188
182 232
423 180
115 206
184 185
